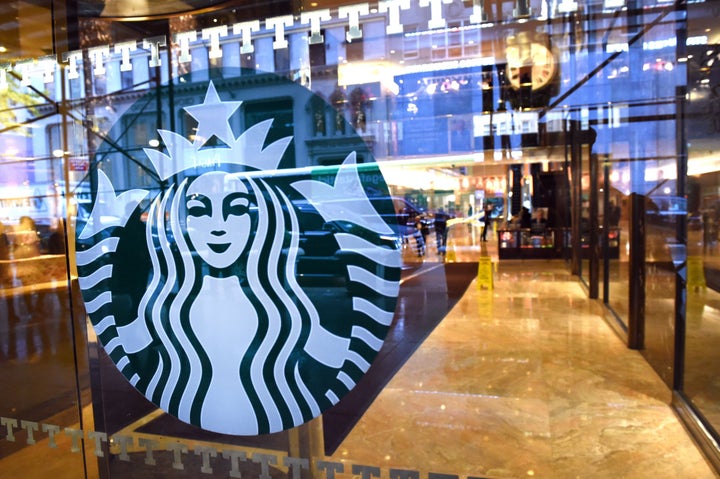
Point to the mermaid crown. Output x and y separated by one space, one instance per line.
213 116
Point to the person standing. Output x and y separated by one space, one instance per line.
525 218
486 221
441 230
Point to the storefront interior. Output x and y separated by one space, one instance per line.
576 138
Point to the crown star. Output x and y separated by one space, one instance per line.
247 150
209 115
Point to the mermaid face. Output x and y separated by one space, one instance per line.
218 221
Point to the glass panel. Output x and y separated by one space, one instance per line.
456 139
619 246
662 217
43 344
703 207
603 217
585 215
653 144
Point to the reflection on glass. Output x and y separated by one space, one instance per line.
618 217
662 214
464 131
703 298
702 356
39 353
585 230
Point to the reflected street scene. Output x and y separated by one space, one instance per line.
404 239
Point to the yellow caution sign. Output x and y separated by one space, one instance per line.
450 256
485 273
695 272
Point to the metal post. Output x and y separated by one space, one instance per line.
576 199
636 289
593 243
606 230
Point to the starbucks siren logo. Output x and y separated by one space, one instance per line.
221 334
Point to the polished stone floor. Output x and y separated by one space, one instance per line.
526 380
522 380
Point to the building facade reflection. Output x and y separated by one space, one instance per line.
598 117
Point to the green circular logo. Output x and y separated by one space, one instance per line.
234 289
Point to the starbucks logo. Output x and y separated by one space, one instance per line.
193 289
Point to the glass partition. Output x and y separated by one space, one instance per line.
702 332
618 274
586 185
44 362
369 161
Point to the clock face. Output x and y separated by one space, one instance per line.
535 70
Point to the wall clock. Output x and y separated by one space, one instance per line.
537 70
532 71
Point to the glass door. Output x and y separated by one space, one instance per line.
616 246
44 364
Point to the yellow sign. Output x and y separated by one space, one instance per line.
695 272
485 273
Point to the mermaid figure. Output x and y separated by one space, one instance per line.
223 336
223 315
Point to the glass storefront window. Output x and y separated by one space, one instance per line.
702 234
618 273
502 132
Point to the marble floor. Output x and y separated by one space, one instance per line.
522 380
526 380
